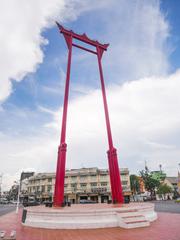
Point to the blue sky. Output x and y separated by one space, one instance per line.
45 86
171 10
55 53
141 61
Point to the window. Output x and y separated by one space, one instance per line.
124 177
49 179
49 188
122 173
103 177
104 184
37 182
125 188
93 184
73 178
83 185
43 188
124 182
93 177
73 185
83 178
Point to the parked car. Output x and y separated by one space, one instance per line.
31 203
4 201
86 201
149 198
48 203
13 202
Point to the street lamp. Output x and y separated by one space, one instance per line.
17 205
1 185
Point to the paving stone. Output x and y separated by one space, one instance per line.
167 227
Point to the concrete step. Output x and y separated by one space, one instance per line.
137 224
132 219
132 213
135 221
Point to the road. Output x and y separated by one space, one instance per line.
167 206
6 208
160 206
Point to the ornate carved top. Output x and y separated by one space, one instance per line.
83 37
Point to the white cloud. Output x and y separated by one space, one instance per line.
10 179
145 124
138 34
26 152
21 26
145 119
137 38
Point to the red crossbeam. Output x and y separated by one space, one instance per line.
82 38
83 48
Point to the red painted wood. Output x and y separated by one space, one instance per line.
82 38
116 187
83 48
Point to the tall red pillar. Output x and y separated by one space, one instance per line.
116 187
61 161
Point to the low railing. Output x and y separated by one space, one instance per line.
4 236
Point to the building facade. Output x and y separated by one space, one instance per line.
178 184
173 183
141 185
84 183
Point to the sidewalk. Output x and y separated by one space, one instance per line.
167 227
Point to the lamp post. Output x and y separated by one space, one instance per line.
18 197
1 185
179 179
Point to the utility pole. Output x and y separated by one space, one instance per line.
145 163
160 167
179 179
1 175
17 205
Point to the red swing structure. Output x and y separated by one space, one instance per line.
115 180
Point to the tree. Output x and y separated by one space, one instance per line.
150 183
158 175
13 192
135 186
164 189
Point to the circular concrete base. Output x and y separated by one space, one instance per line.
80 216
